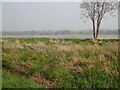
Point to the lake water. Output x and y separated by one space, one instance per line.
60 36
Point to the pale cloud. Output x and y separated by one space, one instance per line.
56 0
49 16
41 0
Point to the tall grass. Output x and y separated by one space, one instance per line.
63 63
12 81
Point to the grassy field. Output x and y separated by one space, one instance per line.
60 63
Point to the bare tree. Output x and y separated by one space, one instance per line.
95 10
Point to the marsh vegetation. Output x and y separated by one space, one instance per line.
60 63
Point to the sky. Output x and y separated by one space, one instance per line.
27 16
0 18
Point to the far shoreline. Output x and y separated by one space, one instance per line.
64 38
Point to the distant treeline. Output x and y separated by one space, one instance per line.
62 32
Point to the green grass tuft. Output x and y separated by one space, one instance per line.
12 81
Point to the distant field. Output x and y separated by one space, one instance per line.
60 63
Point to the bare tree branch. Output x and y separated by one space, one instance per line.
95 10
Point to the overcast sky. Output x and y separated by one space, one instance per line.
0 17
23 16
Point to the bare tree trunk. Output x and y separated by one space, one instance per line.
97 30
93 28
98 27
98 24
96 11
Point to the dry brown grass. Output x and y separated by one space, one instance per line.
62 55
41 80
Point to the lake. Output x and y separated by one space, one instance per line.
60 36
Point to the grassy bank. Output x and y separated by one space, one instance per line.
12 81
60 63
